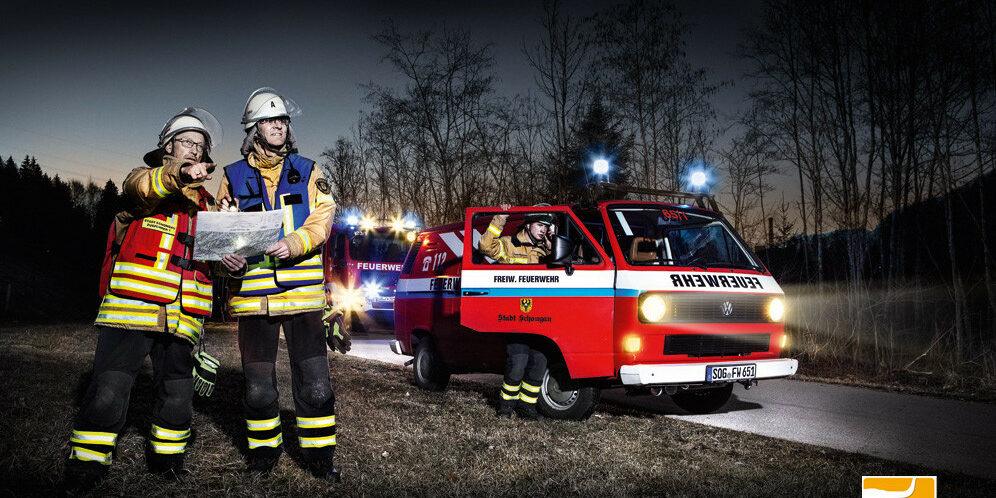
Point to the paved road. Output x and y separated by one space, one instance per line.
944 434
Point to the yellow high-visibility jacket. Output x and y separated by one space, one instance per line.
510 249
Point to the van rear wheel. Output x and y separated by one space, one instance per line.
561 398
430 373
703 401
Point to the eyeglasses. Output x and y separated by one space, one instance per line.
190 144
281 120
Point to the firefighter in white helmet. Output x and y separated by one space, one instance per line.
283 288
154 302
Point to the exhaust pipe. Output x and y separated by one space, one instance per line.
662 390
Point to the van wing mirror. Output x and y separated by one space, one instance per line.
560 255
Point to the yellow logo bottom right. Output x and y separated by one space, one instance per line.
898 486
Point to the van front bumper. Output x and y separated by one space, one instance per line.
695 373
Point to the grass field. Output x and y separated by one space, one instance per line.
397 440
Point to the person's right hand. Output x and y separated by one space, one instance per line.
228 204
197 172
234 263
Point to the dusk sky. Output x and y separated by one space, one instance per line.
86 89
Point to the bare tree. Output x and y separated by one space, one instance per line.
748 162
561 61
434 123
343 165
662 97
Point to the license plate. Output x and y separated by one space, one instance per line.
731 372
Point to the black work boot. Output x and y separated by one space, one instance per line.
528 411
261 465
81 477
505 408
168 466
324 469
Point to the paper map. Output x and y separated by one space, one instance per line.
246 234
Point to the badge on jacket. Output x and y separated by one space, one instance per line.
323 186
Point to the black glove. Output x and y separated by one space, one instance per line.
336 335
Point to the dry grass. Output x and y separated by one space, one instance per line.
898 339
397 440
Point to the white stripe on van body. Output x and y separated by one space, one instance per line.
473 279
453 242
658 280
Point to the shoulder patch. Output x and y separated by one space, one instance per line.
323 186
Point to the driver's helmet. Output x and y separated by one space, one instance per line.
544 218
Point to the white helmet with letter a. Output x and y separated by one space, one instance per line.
266 103
190 118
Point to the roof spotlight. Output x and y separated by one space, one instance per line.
352 220
698 179
600 166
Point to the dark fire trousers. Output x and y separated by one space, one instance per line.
524 369
314 400
116 362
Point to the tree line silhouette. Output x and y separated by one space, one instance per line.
55 233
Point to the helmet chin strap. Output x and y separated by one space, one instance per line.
529 233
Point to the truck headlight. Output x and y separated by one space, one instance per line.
371 290
351 299
653 308
776 309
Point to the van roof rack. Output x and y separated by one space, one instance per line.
702 200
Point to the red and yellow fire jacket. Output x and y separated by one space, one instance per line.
149 280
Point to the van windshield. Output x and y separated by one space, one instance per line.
667 236
378 246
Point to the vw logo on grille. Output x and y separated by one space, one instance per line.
727 308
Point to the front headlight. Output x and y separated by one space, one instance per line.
653 308
776 309
351 299
371 290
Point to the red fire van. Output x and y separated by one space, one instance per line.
647 295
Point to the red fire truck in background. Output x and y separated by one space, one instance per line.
647 295
362 263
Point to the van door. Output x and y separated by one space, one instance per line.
501 293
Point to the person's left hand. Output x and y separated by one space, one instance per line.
280 250
234 263
551 232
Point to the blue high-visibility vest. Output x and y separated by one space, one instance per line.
267 275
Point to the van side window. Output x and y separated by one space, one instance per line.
340 246
592 220
512 243
584 252
406 268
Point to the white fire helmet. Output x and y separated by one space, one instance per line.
265 103
192 118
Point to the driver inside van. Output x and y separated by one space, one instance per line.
524 365
530 244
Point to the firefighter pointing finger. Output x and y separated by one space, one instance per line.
283 289
155 298
524 366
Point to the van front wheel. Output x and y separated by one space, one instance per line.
561 398
430 373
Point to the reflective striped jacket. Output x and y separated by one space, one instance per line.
150 281
510 249
277 287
